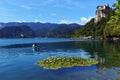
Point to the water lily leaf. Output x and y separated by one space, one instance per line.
64 62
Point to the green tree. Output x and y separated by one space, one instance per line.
112 28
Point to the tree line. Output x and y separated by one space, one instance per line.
107 27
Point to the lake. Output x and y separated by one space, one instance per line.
17 59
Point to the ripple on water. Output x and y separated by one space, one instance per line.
18 62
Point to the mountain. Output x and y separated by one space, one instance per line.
36 25
16 32
61 31
37 29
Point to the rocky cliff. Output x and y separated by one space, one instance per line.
100 12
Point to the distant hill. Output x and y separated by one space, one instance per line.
37 25
37 29
16 32
61 31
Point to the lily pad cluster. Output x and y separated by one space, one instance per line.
64 62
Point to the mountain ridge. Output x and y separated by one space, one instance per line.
37 24
38 29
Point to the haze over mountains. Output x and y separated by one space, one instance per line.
35 29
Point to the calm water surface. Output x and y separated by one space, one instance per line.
17 59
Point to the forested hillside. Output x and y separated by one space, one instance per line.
106 27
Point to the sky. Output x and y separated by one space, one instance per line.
53 11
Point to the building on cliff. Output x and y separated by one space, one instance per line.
100 12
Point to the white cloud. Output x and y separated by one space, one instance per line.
82 21
72 3
62 3
36 20
42 22
39 21
53 14
65 21
46 2
26 7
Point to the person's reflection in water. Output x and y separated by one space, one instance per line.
36 47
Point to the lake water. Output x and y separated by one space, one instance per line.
17 59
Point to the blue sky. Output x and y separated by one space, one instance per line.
54 11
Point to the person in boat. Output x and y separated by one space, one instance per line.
36 47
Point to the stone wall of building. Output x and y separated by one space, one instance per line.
99 12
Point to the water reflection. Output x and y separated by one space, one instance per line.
23 58
72 69
36 47
107 52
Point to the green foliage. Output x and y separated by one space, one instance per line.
107 50
95 29
107 27
112 28
118 72
86 30
118 79
64 62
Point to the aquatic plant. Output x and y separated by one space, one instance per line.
118 72
64 62
118 79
